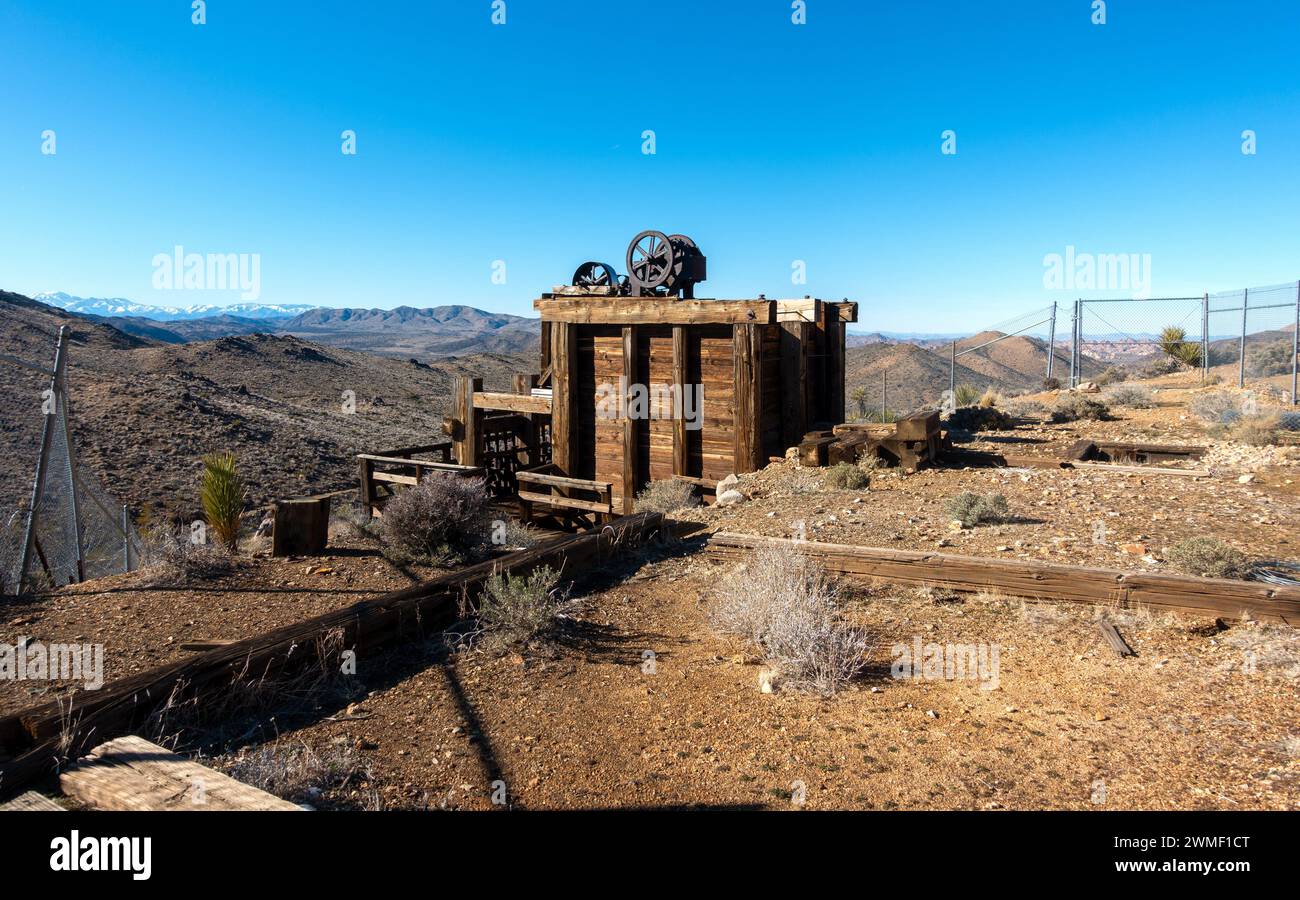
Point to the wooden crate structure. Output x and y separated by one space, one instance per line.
621 370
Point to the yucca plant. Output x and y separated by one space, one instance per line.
1174 344
966 395
222 493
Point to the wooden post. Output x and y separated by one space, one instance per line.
834 363
366 487
631 446
524 382
563 422
795 384
546 346
747 348
301 526
467 446
126 539
681 377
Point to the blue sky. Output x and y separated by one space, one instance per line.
775 142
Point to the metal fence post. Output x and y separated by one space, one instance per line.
1241 362
126 540
1205 338
1074 345
884 400
1051 342
952 368
1295 347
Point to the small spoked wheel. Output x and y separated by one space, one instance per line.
650 259
595 274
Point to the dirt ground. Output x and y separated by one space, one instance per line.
643 704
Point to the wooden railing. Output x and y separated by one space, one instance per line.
544 486
380 473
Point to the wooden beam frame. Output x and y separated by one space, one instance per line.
747 348
631 426
520 403
655 311
564 352
681 376
1214 597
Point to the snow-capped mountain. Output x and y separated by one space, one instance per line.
118 306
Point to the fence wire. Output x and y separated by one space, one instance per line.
78 530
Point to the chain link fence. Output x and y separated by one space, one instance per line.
58 524
1246 338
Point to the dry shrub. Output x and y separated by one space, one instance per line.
990 397
522 609
1134 396
1259 430
979 418
1110 375
297 772
1073 407
170 557
441 515
787 605
1216 407
1209 558
667 496
845 477
973 509
514 535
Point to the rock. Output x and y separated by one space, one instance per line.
1088 387
727 483
1138 549
955 525
932 714
769 680
1101 717
1245 479
730 498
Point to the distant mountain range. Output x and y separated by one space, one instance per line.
402 332
119 307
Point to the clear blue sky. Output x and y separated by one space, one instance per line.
775 142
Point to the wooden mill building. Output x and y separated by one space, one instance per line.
639 389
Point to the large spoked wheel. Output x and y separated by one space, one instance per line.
650 259
595 274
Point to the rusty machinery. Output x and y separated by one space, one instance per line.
658 265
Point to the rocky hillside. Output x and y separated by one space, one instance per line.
144 412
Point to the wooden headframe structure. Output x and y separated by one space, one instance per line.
639 389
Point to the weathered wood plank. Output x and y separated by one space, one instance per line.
30 801
131 774
1216 597
655 311
563 411
747 341
520 403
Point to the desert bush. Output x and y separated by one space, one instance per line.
169 557
1258 430
515 535
1216 407
297 772
845 477
787 605
973 509
990 398
979 418
522 609
1134 396
667 496
1021 408
1209 558
1111 375
1270 359
1051 384
222 494
1072 407
442 514
966 395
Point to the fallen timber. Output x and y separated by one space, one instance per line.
1212 597
35 741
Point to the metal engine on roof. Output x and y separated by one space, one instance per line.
658 265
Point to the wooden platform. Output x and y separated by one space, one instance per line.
131 774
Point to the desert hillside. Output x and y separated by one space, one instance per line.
145 411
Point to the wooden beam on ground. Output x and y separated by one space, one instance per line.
131 774
1112 469
30 801
33 741
1115 639
1215 597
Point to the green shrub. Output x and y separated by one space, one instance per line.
522 609
1209 558
973 509
667 496
1073 407
845 477
966 395
222 493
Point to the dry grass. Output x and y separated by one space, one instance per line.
667 496
788 607
523 610
297 772
171 558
